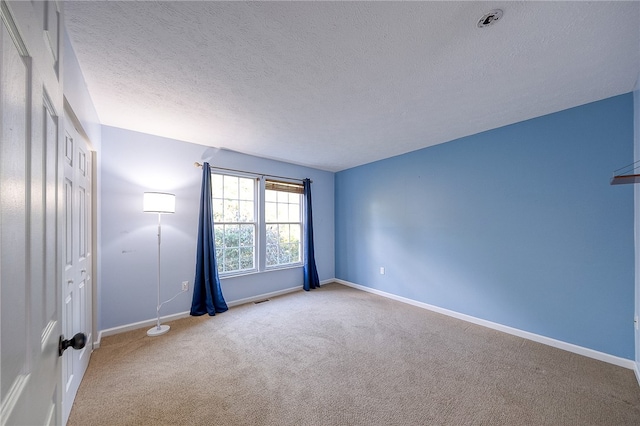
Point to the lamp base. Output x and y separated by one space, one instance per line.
157 331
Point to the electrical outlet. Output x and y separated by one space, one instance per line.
382 270
185 285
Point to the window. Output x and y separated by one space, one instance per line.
247 242
235 227
283 223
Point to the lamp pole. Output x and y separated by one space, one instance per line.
159 203
158 329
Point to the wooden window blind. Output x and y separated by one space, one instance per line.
275 185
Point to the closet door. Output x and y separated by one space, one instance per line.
76 286
30 271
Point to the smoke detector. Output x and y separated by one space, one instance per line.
490 18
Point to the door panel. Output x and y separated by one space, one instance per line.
68 224
51 175
30 293
13 244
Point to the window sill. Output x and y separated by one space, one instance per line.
273 269
280 268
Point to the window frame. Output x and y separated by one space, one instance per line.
255 223
281 187
260 223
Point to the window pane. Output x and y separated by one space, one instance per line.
246 258
231 236
284 234
220 260
272 255
231 210
231 259
270 212
246 211
295 253
218 231
271 196
218 210
230 187
246 189
283 212
216 186
272 234
294 212
283 255
283 197
246 235
294 233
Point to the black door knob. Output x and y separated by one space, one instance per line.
76 342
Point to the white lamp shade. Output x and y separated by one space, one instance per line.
159 202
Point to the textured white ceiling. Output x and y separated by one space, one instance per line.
333 85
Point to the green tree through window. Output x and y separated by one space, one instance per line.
284 230
234 216
237 223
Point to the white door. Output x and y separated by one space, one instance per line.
30 268
76 293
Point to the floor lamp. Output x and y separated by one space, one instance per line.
159 202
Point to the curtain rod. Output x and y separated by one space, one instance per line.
196 164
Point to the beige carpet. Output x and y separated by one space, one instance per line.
339 356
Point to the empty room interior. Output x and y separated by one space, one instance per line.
320 213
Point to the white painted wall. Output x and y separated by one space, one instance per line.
77 95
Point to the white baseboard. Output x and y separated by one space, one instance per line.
636 369
180 315
601 356
136 325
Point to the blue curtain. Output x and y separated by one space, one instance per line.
207 294
310 271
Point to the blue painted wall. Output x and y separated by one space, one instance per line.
133 163
516 225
